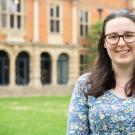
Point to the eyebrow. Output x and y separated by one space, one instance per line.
123 32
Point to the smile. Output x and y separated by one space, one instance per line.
122 51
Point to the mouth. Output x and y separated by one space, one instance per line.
122 51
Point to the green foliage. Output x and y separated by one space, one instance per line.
33 115
93 38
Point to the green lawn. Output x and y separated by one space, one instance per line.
33 115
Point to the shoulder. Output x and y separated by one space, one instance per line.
82 82
84 78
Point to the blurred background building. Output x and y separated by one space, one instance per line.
43 42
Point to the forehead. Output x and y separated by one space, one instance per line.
119 25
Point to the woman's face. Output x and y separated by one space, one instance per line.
121 51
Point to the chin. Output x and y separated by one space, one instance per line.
124 62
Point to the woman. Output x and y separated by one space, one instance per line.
103 102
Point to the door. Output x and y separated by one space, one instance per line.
4 68
22 69
62 69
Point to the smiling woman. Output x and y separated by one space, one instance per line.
120 41
103 101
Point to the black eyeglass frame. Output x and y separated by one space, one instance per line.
118 38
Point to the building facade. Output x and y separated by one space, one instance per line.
42 42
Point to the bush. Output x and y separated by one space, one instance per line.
93 38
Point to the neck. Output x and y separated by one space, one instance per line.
123 74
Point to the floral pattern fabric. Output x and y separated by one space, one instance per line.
105 115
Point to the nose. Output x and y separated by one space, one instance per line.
121 42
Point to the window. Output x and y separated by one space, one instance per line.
4 68
62 69
45 68
84 61
13 17
22 68
83 23
54 19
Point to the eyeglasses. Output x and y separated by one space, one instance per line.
113 38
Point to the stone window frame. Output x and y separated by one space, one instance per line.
84 23
16 14
56 18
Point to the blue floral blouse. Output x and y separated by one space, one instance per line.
105 115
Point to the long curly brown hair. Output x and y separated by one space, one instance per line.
102 77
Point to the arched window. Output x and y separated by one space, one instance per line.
62 69
4 68
22 68
45 68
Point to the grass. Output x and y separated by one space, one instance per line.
33 115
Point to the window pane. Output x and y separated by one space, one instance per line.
3 5
11 21
86 16
51 12
57 11
57 26
4 21
81 16
18 3
12 6
86 30
18 22
6 74
81 30
52 25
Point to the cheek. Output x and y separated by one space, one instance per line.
105 45
111 54
108 50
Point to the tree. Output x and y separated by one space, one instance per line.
93 38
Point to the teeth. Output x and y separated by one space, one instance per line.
123 52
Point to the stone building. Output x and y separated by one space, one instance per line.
42 42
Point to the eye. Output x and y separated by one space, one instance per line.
129 35
112 36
